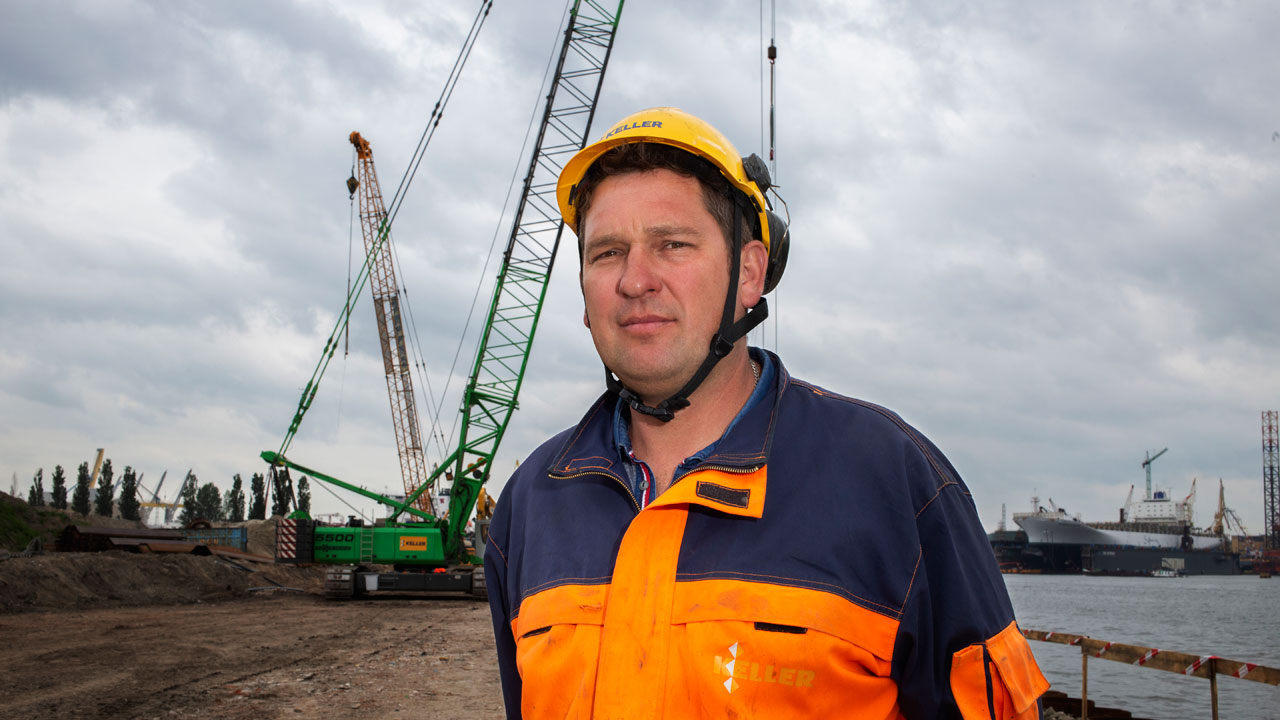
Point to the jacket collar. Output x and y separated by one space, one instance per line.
731 479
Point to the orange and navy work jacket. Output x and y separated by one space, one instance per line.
825 560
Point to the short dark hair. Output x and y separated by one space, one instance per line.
643 157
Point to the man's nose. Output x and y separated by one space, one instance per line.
639 275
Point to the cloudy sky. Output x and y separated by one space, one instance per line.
1043 233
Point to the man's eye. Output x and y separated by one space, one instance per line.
603 254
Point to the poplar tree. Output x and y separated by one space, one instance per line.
258 501
36 497
190 508
80 498
59 488
209 502
129 507
281 491
106 495
304 495
233 501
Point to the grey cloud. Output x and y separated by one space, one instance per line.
1039 233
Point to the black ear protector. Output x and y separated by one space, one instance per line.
779 232
779 246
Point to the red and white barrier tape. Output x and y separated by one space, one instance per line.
1104 649
1197 664
1244 669
1150 654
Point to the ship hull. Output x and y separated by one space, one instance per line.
1047 529
1150 561
1056 543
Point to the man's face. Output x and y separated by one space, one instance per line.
655 271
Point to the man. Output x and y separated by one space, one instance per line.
716 538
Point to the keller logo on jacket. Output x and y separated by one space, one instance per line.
735 669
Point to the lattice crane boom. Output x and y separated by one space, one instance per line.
386 306
494 386
1271 478
490 397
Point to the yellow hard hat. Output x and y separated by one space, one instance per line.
675 127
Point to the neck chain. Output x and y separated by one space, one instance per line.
755 370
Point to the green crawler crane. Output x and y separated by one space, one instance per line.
426 551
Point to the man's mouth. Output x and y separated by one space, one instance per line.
644 322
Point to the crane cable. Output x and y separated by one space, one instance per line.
437 112
309 392
410 172
773 157
352 184
773 89
515 174
342 500
771 54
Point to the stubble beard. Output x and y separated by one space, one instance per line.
654 370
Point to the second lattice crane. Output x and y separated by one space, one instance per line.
386 306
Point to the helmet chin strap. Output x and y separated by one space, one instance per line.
722 342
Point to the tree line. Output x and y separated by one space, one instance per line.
205 502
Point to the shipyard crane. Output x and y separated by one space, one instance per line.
425 541
155 496
1146 465
97 468
1226 518
170 508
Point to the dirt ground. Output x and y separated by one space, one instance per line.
94 581
162 635
276 654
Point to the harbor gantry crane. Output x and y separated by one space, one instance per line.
424 541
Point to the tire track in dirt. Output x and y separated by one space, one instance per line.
271 657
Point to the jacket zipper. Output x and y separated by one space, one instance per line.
718 468
635 503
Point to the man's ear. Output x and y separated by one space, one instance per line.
586 320
755 260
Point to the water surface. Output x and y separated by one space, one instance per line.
1236 617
